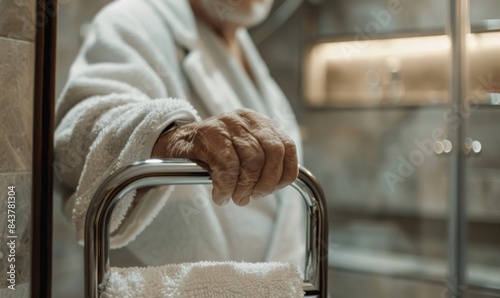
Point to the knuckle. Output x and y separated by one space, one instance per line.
244 111
255 157
245 184
253 116
226 118
256 161
277 147
289 143
251 153
274 150
223 150
290 147
234 124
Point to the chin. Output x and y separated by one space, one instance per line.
247 13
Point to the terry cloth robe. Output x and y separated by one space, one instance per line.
144 65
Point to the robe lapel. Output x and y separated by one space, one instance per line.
209 84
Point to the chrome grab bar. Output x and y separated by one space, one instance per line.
154 172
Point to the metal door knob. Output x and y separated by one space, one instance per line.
442 147
472 146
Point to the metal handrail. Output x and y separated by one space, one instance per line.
154 172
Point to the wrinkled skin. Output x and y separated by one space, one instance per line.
247 156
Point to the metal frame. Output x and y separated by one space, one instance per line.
43 132
155 172
458 26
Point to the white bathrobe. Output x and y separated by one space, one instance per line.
145 64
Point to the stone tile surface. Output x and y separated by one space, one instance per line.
17 19
22 261
22 291
17 64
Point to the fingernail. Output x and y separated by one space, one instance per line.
256 196
244 201
224 202
279 187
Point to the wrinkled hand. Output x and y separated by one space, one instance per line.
247 156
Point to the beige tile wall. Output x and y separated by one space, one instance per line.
16 76
17 19
22 183
17 49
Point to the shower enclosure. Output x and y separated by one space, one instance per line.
403 147
401 119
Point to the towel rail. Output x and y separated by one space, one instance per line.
153 172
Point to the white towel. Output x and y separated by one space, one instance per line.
206 279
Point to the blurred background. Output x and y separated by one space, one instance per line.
369 84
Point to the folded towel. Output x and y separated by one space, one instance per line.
206 279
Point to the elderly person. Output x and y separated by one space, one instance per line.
182 79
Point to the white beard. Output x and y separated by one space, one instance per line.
231 11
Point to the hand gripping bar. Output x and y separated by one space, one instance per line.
154 172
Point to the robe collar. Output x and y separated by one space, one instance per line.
181 21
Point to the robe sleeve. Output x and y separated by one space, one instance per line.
113 107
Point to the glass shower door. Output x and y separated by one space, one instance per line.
482 180
483 197
412 195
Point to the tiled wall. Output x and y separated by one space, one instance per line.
17 49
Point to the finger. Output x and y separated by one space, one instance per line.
250 154
274 151
244 201
225 167
211 147
290 162
252 158
289 166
